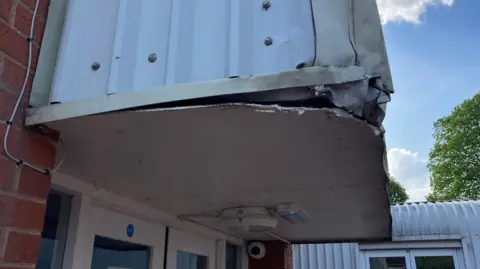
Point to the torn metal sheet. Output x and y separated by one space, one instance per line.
275 109
365 99
349 33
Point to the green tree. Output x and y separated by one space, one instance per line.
396 192
455 158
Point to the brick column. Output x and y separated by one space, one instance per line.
23 191
278 255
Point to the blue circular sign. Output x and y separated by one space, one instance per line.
130 230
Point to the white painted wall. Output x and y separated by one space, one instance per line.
97 212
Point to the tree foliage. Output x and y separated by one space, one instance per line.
455 158
396 192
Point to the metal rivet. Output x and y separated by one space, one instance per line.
152 57
268 41
266 5
95 66
301 65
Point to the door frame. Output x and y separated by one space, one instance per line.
115 225
103 221
80 189
182 241
85 198
385 253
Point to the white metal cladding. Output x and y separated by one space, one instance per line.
149 43
417 221
326 256
152 43
410 222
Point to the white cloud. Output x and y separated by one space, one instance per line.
407 10
410 170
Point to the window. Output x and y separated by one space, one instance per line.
434 262
54 232
233 257
110 253
186 260
414 259
388 263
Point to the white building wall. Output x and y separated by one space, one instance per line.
456 220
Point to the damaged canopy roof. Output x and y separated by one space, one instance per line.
286 139
349 88
365 99
203 43
311 136
197 161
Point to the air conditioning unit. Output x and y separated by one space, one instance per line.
249 219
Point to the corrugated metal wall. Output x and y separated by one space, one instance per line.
419 220
410 222
151 43
328 256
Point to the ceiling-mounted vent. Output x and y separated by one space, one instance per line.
249 219
292 213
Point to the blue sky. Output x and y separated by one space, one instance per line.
434 50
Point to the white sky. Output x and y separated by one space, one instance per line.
407 10
410 170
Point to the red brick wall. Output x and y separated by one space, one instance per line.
278 255
23 191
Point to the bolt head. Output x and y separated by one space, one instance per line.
152 57
268 41
95 66
266 5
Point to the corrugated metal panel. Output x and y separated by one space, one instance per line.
152 43
189 40
325 256
411 222
420 220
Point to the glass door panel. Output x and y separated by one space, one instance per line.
434 259
188 251
110 253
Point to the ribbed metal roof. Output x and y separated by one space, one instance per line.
438 218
